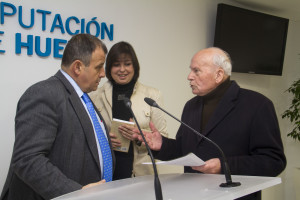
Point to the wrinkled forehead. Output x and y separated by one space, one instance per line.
201 59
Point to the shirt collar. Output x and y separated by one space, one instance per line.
73 83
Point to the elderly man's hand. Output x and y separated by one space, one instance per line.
153 138
212 166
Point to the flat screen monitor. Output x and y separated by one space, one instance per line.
255 41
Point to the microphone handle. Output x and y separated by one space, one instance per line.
227 173
157 185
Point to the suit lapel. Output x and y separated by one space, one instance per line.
86 125
108 96
225 106
82 116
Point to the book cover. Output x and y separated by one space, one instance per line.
124 141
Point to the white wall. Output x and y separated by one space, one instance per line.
165 35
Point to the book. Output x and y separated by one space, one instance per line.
124 141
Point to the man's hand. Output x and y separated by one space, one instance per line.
212 166
153 138
94 184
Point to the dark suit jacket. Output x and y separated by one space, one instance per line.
244 125
55 150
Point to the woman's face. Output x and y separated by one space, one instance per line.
122 70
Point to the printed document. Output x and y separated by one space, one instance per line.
188 160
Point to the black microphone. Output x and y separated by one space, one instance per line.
227 173
157 186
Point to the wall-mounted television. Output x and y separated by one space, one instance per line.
255 41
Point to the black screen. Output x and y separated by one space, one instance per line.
254 41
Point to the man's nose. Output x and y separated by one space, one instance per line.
102 73
190 76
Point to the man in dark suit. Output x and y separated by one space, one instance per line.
242 122
56 149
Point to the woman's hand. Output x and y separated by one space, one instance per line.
114 141
127 131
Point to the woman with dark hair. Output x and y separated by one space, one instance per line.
122 71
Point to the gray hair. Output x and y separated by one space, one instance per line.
81 47
223 61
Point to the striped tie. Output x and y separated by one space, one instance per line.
105 148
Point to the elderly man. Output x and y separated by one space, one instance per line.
242 122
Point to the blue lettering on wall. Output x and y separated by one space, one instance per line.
96 25
3 13
20 44
57 48
38 47
72 26
68 25
36 42
57 19
105 29
44 13
1 51
82 25
21 18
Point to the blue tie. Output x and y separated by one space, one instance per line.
105 148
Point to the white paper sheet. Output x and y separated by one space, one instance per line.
188 160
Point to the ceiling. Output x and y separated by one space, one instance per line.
283 8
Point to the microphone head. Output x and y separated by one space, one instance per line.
150 102
127 102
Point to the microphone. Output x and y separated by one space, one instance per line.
128 105
227 173
157 186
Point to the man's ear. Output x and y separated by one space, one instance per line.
220 75
77 67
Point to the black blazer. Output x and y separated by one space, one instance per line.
244 125
55 150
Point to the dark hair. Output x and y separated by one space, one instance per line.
81 47
115 53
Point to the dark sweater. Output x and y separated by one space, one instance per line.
124 161
211 100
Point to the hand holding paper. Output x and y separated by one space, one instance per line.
212 166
